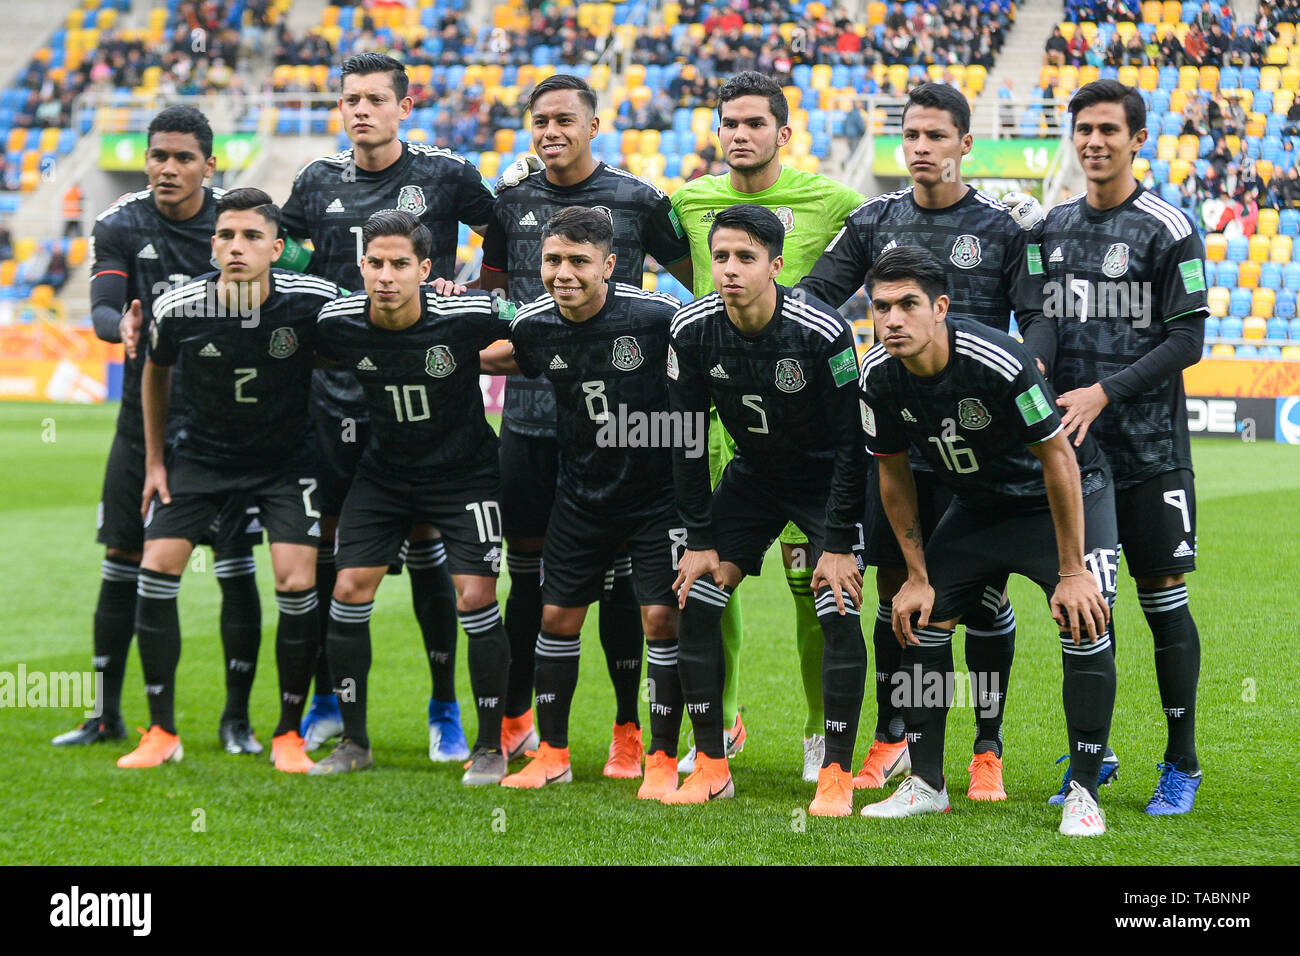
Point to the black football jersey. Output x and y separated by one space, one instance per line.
421 384
333 197
611 395
644 223
973 421
248 371
1120 277
156 254
787 397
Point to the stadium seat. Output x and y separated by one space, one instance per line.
1259 248
1270 277
1222 351
1230 327
1216 247
1212 327
1247 275
1276 331
1218 299
1291 352
1261 307
1238 249
1250 352
1240 300
1281 249
1291 276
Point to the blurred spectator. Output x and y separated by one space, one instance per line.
1056 49
1195 48
6 244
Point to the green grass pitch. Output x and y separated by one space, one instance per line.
75 807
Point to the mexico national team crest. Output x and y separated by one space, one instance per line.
609 213
965 252
789 375
627 353
786 215
283 343
411 199
972 414
1116 262
438 361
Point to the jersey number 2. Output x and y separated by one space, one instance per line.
243 375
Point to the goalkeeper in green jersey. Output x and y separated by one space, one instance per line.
753 125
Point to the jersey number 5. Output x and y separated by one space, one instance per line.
756 403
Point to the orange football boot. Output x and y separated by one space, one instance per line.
625 752
289 753
884 762
660 776
156 747
985 777
518 735
834 793
549 765
710 781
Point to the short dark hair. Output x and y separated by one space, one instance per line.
249 197
759 221
564 81
942 96
909 262
395 222
752 83
183 119
1111 91
364 64
580 224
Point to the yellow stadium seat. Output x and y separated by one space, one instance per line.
503 141
489 164
1254 327
1279 247
1233 143
672 14
1089 30
631 141
1259 248
1248 275
1181 30
897 75
1087 74
24 248
935 72
1208 78
821 76
31 161
1189 78
1152 12
1173 11
1270 78
635 74
1291 352
649 142
1218 299
1285 33
1148 77
1222 351
634 164
808 164
1177 99
1128 75
74 18
49 140
1067 29
976 75
105 19
8 271
1140 167
16 139
1179 170
1291 74
1261 303
330 17
876 13
78 250
1282 100
1265 170
1048 76
1167 148
420 136
1255 126
1277 54
1188 147
1125 30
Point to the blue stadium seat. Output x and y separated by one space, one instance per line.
1171 194
1211 328
1229 78
1190 9
1250 77
821 145
1291 276
1263 101
1170 125
1168 74
1148 149
1211 274
839 76
1159 101
1276 330
1295 329
817 121
1239 303
1270 276
1248 352
1230 327
1238 249
1160 170
1284 308
1270 352
1108 73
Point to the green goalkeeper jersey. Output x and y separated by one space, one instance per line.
811 207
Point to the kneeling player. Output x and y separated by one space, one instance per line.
246 338
604 347
779 367
432 457
973 402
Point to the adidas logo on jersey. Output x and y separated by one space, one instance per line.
558 362
908 416
707 218
147 252
1184 550
889 245
210 351
335 206
1056 255
718 371
314 530
528 219
365 365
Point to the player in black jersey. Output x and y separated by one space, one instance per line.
564 122
993 268
1129 296
779 368
432 457
247 336
331 200
142 245
971 400
603 346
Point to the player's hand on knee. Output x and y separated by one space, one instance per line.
448 287
1079 606
693 566
155 483
1082 406
914 597
128 328
840 573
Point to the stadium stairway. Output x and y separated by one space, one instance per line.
1020 59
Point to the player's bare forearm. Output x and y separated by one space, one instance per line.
1064 497
898 495
493 279
498 359
683 271
155 394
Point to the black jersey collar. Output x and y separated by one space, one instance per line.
1105 215
765 330
604 311
965 200
578 186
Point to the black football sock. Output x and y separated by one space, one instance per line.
990 647
927 689
241 629
326 574
523 621
297 645
348 644
556 680
489 663
665 696
114 628
1178 669
621 639
159 628
844 676
701 666
434 596
889 716
1088 693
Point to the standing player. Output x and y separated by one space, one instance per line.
753 126
246 335
780 371
970 398
564 123
141 246
993 268
331 200
603 346
1119 371
432 457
